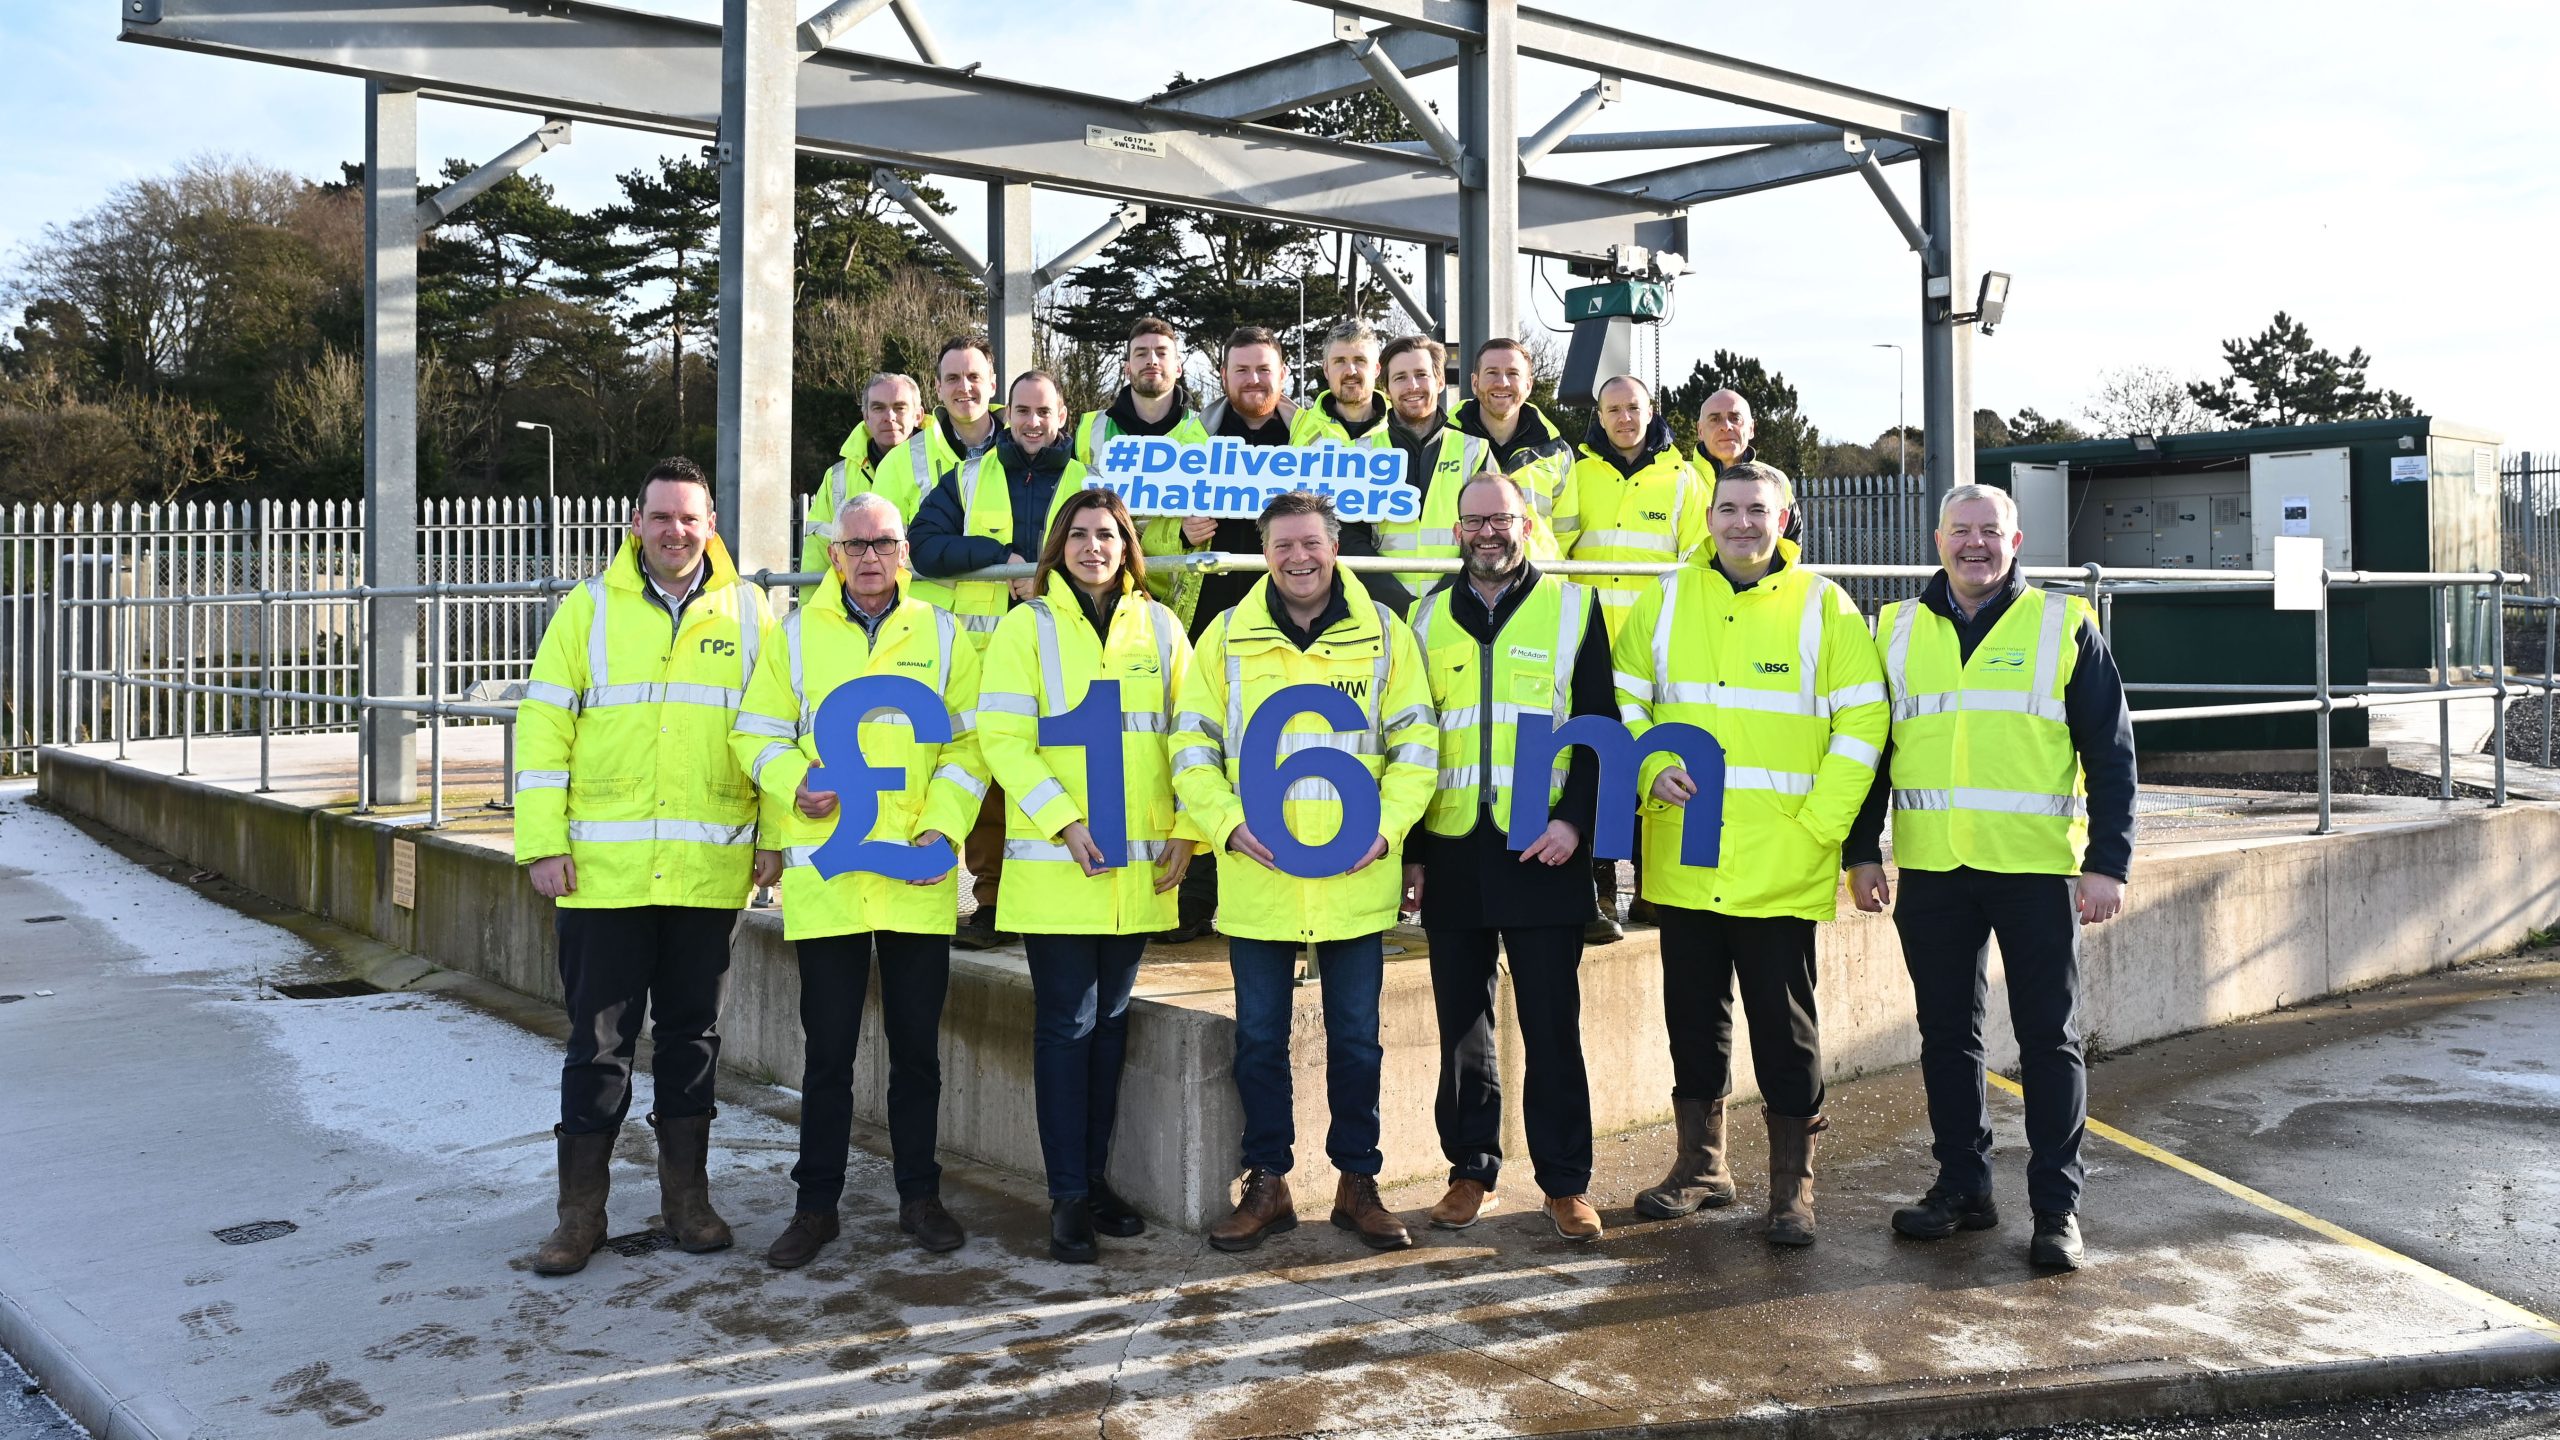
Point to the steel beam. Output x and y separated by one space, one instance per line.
1946 348
1489 204
920 35
432 213
1873 173
1424 317
1609 140
391 432
1439 285
1722 177
821 29
932 221
1121 222
1603 91
1013 279
760 64
1544 35
566 58
1397 89
1309 77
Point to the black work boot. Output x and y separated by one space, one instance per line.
586 1175
1112 1215
1071 1231
934 1229
809 1232
2057 1242
1942 1212
684 1184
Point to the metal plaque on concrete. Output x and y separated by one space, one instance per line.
404 874
2297 567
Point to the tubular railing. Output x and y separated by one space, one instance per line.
2320 699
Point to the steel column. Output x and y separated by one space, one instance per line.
390 660
759 119
1946 348
1489 210
1013 279
1439 282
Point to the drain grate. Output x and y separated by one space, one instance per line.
11 999
328 989
255 1231
42 919
639 1242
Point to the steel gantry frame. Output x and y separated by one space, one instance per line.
768 82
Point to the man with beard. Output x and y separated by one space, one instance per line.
1498 640
1347 409
1151 402
965 426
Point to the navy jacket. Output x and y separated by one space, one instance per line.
940 540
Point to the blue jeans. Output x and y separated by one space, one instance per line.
1350 972
1079 1036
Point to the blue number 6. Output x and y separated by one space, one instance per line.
1267 778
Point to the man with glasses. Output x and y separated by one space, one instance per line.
1499 641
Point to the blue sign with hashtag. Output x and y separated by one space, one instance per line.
1226 477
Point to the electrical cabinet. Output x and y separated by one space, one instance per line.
2302 492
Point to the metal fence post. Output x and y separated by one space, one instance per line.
2550 671
2441 597
435 706
187 691
364 695
2498 673
123 643
266 691
2320 685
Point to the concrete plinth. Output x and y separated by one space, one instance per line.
2233 913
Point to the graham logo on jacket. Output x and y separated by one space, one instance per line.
2012 657
915 664
719 647
1142 665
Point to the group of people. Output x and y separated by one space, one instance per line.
668 765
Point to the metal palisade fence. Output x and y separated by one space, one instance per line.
2530 518
53 553
50 554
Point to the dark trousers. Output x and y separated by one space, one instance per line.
1350 972
1196 902
982 853
835 971
1546 986
1704 954
1945 919
1079 1037
667 962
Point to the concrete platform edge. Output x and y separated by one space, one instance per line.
94 1381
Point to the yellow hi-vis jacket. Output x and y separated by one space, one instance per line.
1242 660
1435 536
1656 516
1044 657
1785 676
1482 691
622 753
1984 772
851 475
906 474
1313 424
806 656
986 499
1158 535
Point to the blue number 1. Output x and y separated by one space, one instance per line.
1094 727
858 783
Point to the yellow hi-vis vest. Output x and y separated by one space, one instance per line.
1313 425
1044 657
988 506
622 753
1242 661
1481 691
1656 516
1160 536
906 474
807 655
1984 773
1435 535
1785 676
851 475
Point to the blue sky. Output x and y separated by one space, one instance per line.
2158 177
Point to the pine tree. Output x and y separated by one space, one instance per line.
2278 377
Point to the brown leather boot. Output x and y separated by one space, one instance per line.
684 1184
1263 1210
586 1174
1357 1208
1698 1177
1465 1204
1791 1177
1572 1217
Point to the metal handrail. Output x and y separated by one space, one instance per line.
2320 698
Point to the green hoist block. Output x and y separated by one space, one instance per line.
1641 299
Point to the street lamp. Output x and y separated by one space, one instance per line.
1901 435
550 502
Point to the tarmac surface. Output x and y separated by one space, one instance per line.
165 1090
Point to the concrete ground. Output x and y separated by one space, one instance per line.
165 1091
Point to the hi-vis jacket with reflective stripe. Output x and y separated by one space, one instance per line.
986 498
1482 691
906 474
1243 658
1785 676
851 475
1158 535
1043 659
1313 424
1984 771
812 651
1435 535
622 742
1656 516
